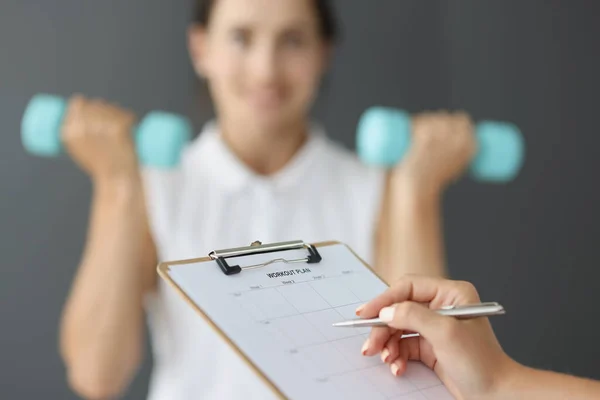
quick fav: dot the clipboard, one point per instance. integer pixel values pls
(288, 294)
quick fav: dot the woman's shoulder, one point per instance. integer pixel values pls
(343, 161)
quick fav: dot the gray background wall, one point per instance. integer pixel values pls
(530, 244)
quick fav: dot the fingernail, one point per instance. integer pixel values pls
(394, 369)
(365, 347)
(359, 309)
(387, 314)
(385, 354)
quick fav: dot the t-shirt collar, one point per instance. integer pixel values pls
(215, 160)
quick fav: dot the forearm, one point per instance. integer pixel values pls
(412, 235)
(531, 384)
(102, 326)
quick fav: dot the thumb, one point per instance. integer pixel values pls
(411, 316)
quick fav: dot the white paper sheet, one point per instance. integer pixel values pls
(280, 317)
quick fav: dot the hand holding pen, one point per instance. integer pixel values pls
(463, 352)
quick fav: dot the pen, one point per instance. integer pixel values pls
(462, 312)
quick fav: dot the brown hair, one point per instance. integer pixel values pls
(324, 10)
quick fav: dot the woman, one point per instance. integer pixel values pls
(465, 355)
(260, 171)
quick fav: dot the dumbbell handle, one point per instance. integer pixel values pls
(159, 137)
(384, 136)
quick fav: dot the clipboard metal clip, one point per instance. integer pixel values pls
(221, 256)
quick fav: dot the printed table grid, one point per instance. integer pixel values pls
(303, 312)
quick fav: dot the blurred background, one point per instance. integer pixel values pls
(530, 244)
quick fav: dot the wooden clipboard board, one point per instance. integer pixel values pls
(339, 262)
(164, 269)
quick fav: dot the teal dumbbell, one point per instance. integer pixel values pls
(159, 137)
(383, 138)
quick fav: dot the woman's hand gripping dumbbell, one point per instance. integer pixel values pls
(386, 135)
(102, 138)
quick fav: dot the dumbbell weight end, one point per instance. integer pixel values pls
(160, 137)
(41, 125)
(383, 136)
(500, 152)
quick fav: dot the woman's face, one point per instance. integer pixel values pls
(263, 59)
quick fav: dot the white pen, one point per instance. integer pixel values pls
(461, 312)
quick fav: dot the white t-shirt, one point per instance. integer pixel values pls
(213, 201)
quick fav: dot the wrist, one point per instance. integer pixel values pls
(414, 189)
(120, 189)
(508, 381)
